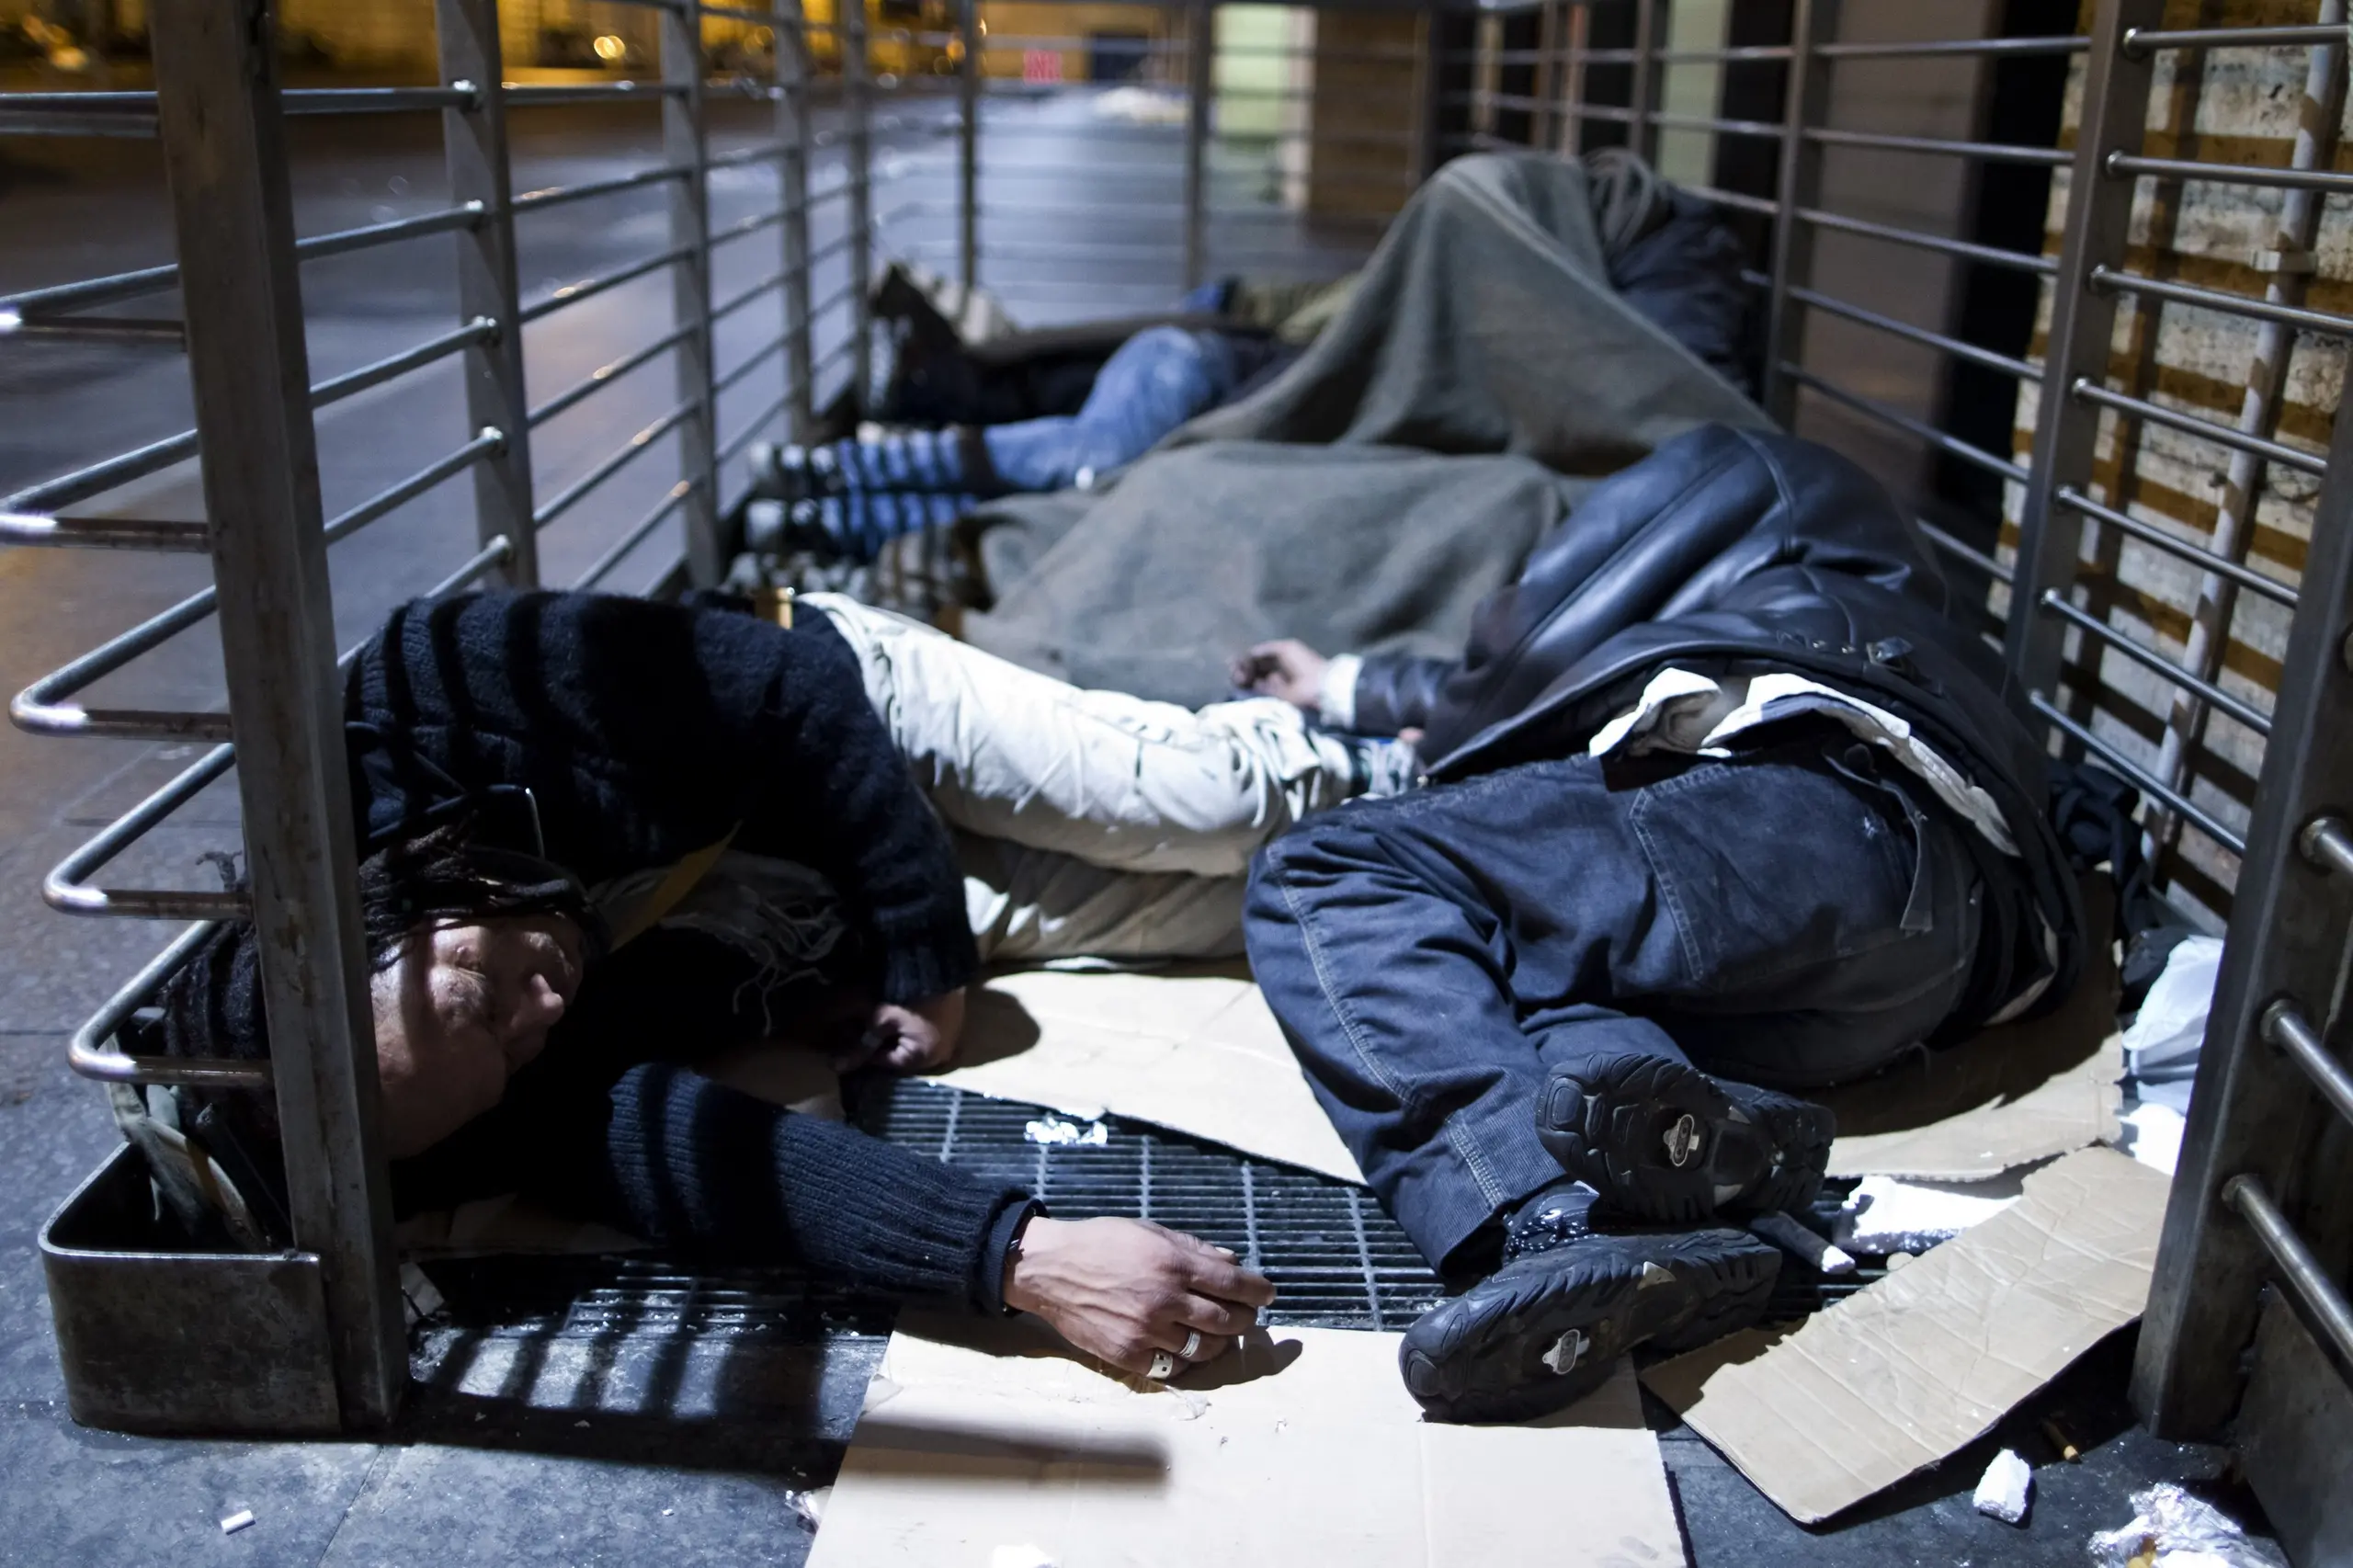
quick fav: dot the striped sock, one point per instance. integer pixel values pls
(916, 460)
(862, 521)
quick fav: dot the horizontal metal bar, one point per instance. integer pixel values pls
(102, 476)
(90, 1055)
(45, 707)
(66, 889)
(1918, 335)
(558, 195)
(2149, 659)
(1986, 152)
(93, 290)
(2143, 40)
(1601, 111)
(497, 552)
(162, 331)
(295, 101)
(2299, 1270)
(540, 97)
(38, 529)
(834, 300)
(334, 389)
(1966, 249)
(2122, 166)
(464, 216)
(751, 226)
(735, 377)
(620, 549)
(1976, 456)
(606, 374)
(1735, 198)
(2091, 391)
(1736, 55)
(486, 443)
(589, 288)
(2110, 278)
(2328, 843)
(1667, 121)
(1968, 552)
(759, 152)
(2139, 777)
(2156, 538)
(728, 307)
(2287, 1027)
(766, 417)
(612, 465)
(2056, 44)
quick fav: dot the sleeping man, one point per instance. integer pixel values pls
(603, 838)
(1720, 811)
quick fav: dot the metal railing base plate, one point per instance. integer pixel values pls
(174, 1343)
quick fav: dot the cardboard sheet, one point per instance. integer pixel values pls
(1195, 1050)
(1904, 1372)
(2013, 1094)
(1309, 1452)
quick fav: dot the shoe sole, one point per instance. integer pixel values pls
(1664, 1141)
(1546, 1331)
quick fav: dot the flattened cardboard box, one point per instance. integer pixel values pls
(1317, 1456)
(1902, 1373)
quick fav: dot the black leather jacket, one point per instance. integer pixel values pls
(1738, 549)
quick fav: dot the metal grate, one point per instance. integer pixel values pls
(1338, 1261)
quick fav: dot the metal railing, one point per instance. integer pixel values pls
(2268, 1154)
(219, 114)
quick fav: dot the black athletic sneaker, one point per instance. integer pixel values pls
(1545, 1330)
(1663, 1140)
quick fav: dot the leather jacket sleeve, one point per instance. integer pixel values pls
(1397, 691)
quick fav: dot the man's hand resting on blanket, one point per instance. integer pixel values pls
(1123, 1289)
(1289, 669)
(913, 1037)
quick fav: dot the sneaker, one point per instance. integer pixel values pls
(791, 473)
(1547, 1329)
(1661, 1140)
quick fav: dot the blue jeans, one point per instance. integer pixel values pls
(1150, 384)
(1789, 918)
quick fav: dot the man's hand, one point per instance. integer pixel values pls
(1289, 669)
(1120, 1290)
(918, 1036)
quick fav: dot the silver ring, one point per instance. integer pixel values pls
(1164, 1367)
(1192, 1346)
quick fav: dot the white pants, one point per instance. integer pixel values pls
(1089, 822)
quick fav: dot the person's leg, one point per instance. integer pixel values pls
(1118, 783)
(1034, 905)
(1153, 383)
(1437, 957)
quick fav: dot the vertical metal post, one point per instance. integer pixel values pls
(2083, 322)
(683, 145)
(968, 146)
(474, 142)
(1543, 133)
(1805, 100)
(2252, 1111)
(1430, 131)
(1200, 54)
(1650, 37)
(792, 134)
(2293, 240)
(224, 154)
(857, 89)
(1571, 122)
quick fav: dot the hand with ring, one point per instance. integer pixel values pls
(1141, 1297)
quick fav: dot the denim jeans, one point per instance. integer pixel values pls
(1150, 384)
(1786, 917)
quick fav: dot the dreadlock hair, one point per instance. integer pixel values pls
(212, 1005)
